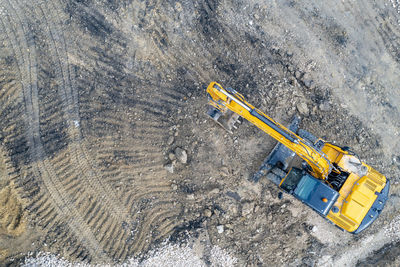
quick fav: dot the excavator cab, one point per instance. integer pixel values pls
(309, 190)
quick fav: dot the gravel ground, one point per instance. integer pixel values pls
(168, 255)
(105, 150)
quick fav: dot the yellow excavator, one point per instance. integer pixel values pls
(331, 180)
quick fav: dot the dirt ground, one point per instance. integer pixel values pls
(102, 100)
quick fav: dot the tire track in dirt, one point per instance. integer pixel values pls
(149, 162)
(81, 158)
(42, 167)
(143, 138)
(112, 155)
(93, 185)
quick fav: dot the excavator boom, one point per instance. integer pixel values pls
(230, 99)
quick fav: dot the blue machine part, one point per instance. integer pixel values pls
(315, 194)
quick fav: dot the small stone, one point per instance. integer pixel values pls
(170, 140)
(220, 229)
(314, 110)
(232, 210)
(308, 82)
(169, 167)
(207, 213)
(297, 74)
(215, 191)
(181, 155)
(247, 209)
(325, 106)
(302, 108)
(190, 196)
(224, 171)
(360, 139)
(174, 187)
(171, 156)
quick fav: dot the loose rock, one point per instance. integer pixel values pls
(215, 191)
(171, 156)
(308, 83)
(220, 229)
(170, 140)
(325, 106)
(181, 155)
(302, 108)
(169, 167)
(224, 171)
(247, 209)
(207, 213)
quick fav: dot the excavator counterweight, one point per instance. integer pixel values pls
(332, 180)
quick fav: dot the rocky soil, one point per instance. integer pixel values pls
(106, 150)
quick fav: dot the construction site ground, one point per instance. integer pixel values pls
(106, 152)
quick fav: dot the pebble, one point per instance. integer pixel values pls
(174, 187)
(224, 171)
(232, 211)
(181, 155)
(247, 209)
(229, 226)
(302, 108)
(169, 167)
(215, 191)
(220, 229)
(170, 140)
(171, 156)
(325, 106)
(308, 83)
(207, 213)
(307, 80)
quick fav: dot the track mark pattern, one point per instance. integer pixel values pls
(88, 154)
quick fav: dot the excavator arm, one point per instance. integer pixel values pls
(228, 99)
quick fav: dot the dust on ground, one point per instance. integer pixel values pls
(109, 152)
